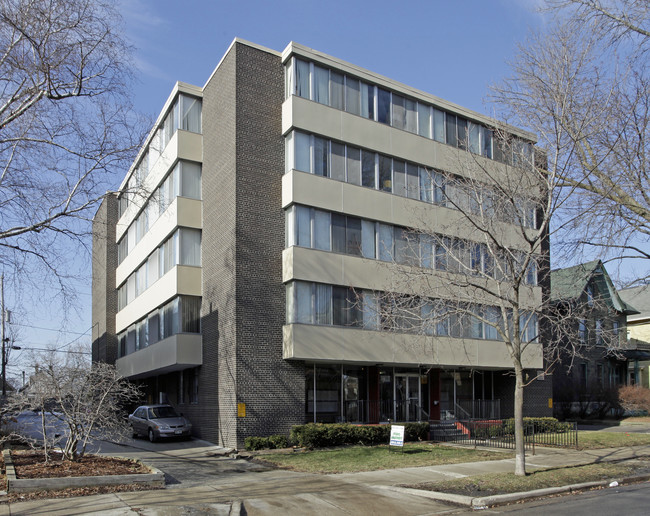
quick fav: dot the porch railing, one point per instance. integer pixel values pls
(500, 433)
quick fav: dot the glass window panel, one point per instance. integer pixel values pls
(370, 311)
(441, 247)
(461, 127)
(336, 90)
(338, 161)
(353, 236)
(474, 145)
(426, 251)
(368, 169)
(439, 125)
(190, 314)
(190, 246)
(383, 106)
(399, 112)
(385, 242)
(368, 239)
(303, 302)
(354, 165)
(301, 147)
(412, 180)
(452, 137)
(190, 114)
(339, 306)
(368, 101)
(385, 180)
(424, 120)
(491, 315)
(304, 226)
(486, 142)
(321, 156)
(302, 78)
(321, 85)
(411, 116)
(338, 233)
(191, 180)
(399, 178)
(426, 184)
(406, 247)
(290, 294)
(322, 230)
(352, 96)
(323, 304)
(153, 267)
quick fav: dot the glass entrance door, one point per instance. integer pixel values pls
(407, 397)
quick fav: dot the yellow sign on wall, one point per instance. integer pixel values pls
(550, 403)
(241, 409)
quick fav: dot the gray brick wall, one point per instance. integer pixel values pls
(104, 294)
(243, 237)
(272, 388)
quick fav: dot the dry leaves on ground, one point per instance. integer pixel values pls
(31, 464)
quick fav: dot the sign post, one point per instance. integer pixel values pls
(396, 436)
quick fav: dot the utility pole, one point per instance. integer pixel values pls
(4, 352)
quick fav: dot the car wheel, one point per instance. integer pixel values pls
(152, 437)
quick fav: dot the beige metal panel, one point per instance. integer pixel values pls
(181, 212)
(190, 145)
(190, 212)
(171, 354)
(304, 264)
(328, 194)
(331, 344)
(180, 280)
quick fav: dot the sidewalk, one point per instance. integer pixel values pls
(275, 491)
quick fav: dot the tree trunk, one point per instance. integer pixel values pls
(520, 451)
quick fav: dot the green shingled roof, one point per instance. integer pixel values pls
(570, 283)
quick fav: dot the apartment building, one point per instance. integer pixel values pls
(238, 274)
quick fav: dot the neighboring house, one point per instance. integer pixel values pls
(638, 331)
(594, 352)
(234, 274)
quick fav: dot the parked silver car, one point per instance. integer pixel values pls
(159, 421)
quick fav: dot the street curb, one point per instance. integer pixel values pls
(489, 501)
(24, 485)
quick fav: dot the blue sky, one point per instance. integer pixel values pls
(453, 49)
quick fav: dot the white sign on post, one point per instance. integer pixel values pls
(396, 435)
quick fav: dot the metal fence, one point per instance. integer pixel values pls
(501, 433)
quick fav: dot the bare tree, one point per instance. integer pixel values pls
(481, 269)
(85, 402)
(582, 85)
(66, 127)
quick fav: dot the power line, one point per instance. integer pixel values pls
(51, 329)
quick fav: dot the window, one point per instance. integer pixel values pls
(190, 246)
(368, 169)
(452, 137)
(302, 78)
(336, 90)
(352, 96)
(590, 295)
(190, 114)
(321, 157)
(354, 165)
(383, 106)
(424, 120)
(582, 331)
(599, 332)
(321, 85)
(337, 170)
(385, 173)
(322, 230)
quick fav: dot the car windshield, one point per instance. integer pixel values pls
(161, 412)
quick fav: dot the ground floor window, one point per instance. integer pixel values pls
(377, 394)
